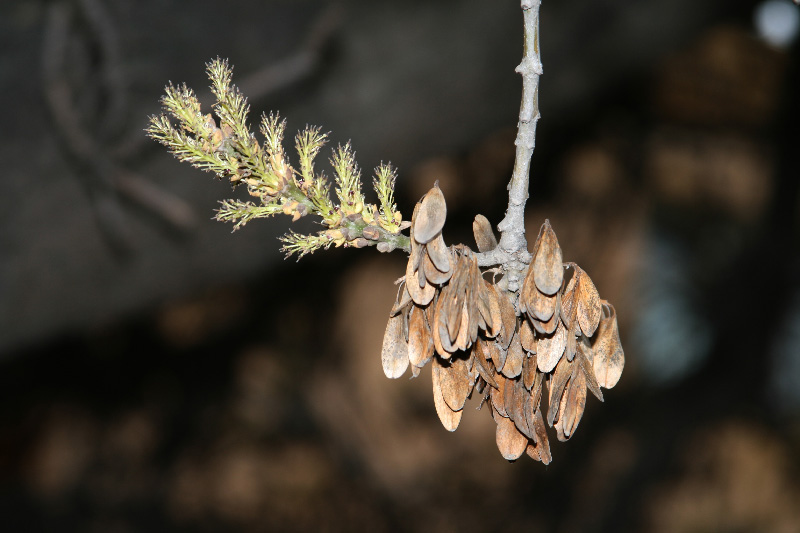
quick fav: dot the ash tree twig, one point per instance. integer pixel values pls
(540, 320)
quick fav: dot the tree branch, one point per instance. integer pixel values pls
(512, 251)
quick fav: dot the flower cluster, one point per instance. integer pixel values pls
(230, 150)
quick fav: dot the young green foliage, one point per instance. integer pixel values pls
(230, 150)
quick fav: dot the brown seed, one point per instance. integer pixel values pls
(529, 371)
(546, 328)
(439, 254)
(608, 358)
(572, 345)
(510, 441)
(589, 309)
(550, 349)
(496, 324)
(573, 405)
(402, 301)
(508, 397)
(432, 274)
(509, 317)
(453, 295)
(498, 396)
(542, 307)
(536, 390)
(526, 337)
(558, 382)
(516, 409)
(588, 371)
(449, 418)
(430, 218)
(454, 382)
(484, 236)
(394, 355)
(492, 351)
(441, 340)
(513, 364)
(572, 273)
(420, 341)
(417, 252)
(462, 341)
(482, 365)
(530, 409)
(421, 296)
(499, 356)
(542, 447)
(485, 318)
(548, 271)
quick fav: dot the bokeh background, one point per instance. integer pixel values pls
(160, 373)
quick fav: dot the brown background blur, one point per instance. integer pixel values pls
(158, 373)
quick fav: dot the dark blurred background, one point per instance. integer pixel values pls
(160, 373)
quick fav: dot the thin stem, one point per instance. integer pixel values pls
(512, 251)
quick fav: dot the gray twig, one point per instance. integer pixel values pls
(512, 252)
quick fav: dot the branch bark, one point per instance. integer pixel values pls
(512, 251)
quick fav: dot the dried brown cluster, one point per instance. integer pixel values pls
(479, 338)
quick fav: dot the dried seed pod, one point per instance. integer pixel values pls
(492, 351)
(542, 307)
(573, 403)
(498, 396)
(454, 382)
(509, 317)
(513, 364)
(516, 409)
(541, 450)
(420, 341)
(508, 397)
(496, 323)
(429, 220)
(462, 341)
(569, 309)
(546, 264)
(441, 338)
(483, 366)
(550, 349)
(526, 337)
(417, 253)
(557, 384)
(588, 371)
(433, 274)
(439, 254)
(394, 355)
(529, 412)
(510, 441)
(589, 309)
(546, 328)
(404, 299)
(572, 345)
(529, 371)
(484, 236)
(449, 418)
(499, 356)
(536, 389)
(421, 295)
(608, 359)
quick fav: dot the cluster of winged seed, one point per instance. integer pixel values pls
(478, 337)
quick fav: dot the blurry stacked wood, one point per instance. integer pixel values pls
(504, 346)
